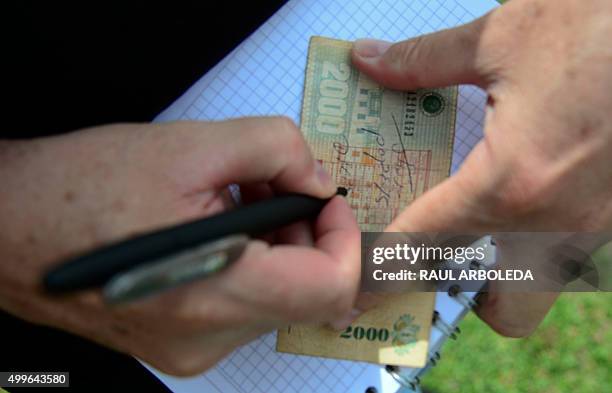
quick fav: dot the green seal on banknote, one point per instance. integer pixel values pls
(432, 103)
(404, 334)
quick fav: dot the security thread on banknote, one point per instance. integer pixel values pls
(386, 148)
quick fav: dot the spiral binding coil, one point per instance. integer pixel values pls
(444, 327)
(409, 383)
(467, 302)
(410, 378)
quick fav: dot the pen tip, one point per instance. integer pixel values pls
(342, 191)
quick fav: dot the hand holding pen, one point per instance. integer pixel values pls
(134, 179)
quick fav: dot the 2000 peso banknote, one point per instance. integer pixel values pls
(386, 147)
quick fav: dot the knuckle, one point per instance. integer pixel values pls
(182, 368)
(468, 36)
(509, 322)
(494, 44)
(411, 50)
(512, 330)
(289, 135)
(285, 125)
(176, 369)
(405, 55)
(181, 364)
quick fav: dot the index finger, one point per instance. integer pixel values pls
(267, 150)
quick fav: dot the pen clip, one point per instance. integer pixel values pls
(196, 263)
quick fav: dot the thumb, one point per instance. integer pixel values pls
(443, 58)
(455, 205)
(444, 208)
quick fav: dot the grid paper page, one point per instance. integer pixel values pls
(265, 76)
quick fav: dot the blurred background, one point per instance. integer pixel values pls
(570, 352)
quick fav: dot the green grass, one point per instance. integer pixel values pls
(570, 352)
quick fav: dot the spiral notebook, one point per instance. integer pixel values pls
(264, 76)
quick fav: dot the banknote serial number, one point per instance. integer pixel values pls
(34, 379)
(362, 333)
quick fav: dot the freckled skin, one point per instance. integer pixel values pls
(117, 181)
(69, 196)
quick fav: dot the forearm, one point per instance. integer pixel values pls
(27, 237)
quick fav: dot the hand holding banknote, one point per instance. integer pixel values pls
(545, 161)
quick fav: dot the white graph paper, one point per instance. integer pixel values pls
(265, 76)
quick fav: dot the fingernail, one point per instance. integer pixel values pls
(368, 48)
(324, 177)
(344, 322)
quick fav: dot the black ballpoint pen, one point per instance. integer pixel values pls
(96, 268)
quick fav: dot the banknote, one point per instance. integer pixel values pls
(386, 147)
